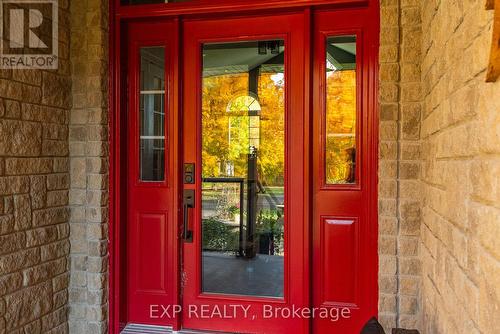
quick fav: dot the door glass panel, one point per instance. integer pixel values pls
(243, 168)
(340, 152)
(152, 114)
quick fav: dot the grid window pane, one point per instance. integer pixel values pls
(152, 114)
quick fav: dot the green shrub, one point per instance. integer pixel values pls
(218, 236)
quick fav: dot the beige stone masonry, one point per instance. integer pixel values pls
(34, 185)
(461, 171)
(399, 164)
(89, 163)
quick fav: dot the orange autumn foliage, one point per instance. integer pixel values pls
(225, 135)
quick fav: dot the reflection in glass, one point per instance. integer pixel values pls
(243, 159)
(340, 152)
(152, 114)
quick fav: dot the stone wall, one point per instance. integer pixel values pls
(89, 164)
(461, 171)
(399, 164)
(34, 183)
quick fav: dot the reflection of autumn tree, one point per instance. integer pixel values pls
(272, 130)
(217, 93)
(225, 133)
(340, 126)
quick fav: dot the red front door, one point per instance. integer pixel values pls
(244, 117)
(276, 232)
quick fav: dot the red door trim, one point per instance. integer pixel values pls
(200, 7)
(120, 15)
(114, 171)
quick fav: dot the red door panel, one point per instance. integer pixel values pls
(151, 240)
(339, 249)
(151, 232)
(344, 164)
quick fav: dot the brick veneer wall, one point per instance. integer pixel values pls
(399, 164)
(461, 171)
(34, 183)
(89, 164)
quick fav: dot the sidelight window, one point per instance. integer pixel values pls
(152, 114)
(341, 116)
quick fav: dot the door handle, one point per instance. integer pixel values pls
(188, 203)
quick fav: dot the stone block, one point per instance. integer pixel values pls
(9, 284)
(387, 245)
(54, 319)
(43, 272)
(389, 16)
(58, 181)
(55, 90)
(28, 304)
(389, 93)
(40, 236)
(11, 242)
(410, 266)
(20, 138)
(55, 250)
(409, 285)
(38, 191)
(22, 212)
(6, 223)
(389, 35)
(387, 303)
(60, 299)
(57, 198)
(388, 53)
(28, 166)
(387, 284)
(12, 109)
(50, 216)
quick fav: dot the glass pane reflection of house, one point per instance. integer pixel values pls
(243, 147)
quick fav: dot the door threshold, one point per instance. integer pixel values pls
(154, 329)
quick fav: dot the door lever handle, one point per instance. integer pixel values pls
(188, 203)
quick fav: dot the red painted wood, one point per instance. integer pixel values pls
(119, 300)
(114, 170)
(344, 216)
(200, 7)
(339, 249)
(290, 28)
(151, 223)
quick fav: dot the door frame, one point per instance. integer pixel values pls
(119, 16)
